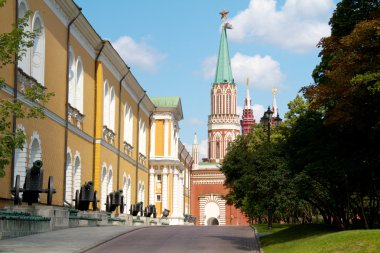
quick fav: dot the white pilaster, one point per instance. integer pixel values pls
(176, 193)
(166, 137)
(172, 143)
(151, 186)
(181, 192)
(165, 188)
(153, 139)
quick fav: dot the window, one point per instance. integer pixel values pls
(109, 106)
(69, 178)
(128, 124)
(158, 177)
(79, 86)
(20, 160)
(142, 137)
(106, 105)
(77, 174)
(38, 50)
(103, 192)
(24, 62)
(112, 109)
(71, 77)
(217, 149)
(158, 197)
(228, 103)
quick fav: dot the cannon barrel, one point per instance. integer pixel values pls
(37, 165)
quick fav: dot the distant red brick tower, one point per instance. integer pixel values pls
(207, 181)
(248, 120)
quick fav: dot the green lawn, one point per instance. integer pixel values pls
(318, 239)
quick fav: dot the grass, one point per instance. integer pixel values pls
(318, 239)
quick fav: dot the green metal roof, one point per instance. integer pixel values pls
(172, 104)
(165, 101)
(223, 68)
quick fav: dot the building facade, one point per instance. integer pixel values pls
(207, 181)
(97, 126)
(170, 162)
(247, 122)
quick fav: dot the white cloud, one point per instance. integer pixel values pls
(263, 72)
(258, 112)
(239, 110)
(297, 26)
(138, 54)
(202, 149)
(209, 67)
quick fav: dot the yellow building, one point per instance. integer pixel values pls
(97, 126)
(170, 162)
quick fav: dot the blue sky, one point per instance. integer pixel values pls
(172, 46)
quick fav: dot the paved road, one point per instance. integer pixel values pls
(183, 239)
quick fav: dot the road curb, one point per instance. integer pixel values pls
(261, 250)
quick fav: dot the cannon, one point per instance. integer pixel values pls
(33, 186)
(150, 210)
(136, 209)
(115, 199)
(165, 213)
(85, 196)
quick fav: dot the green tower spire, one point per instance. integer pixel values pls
(223, 68)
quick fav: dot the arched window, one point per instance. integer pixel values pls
(112, 109)
(106, 104)
(219, 104)
(35, 149)
(77, 174)
(142, 137)
(228, 102)
(20, 160)
(24, 62)
(217, 149)
(103, 190)
(79, 86)
(71, 77)
(110, 181)
(38, 51)
(128, 124)
(69, 178)
(127, 191)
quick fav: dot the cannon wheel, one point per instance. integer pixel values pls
(17, 199)
(95, 202)
(77, 199)
(108, 205)
(122, 205)
(50, 191)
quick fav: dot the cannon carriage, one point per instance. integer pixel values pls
(115, 199)
(137, 208)
(150, 210)
(33, 186)
(85, 196)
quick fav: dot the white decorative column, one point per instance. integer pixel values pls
(176, 193)
(153, 138)
(166, 138)
(181, 191)
(164, 188)
(172, 143)
(151, 186)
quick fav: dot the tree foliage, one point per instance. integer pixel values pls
(328, 156)
(13, 46)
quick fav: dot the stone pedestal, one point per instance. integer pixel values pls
(59, 216)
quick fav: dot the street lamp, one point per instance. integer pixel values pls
(266, 120)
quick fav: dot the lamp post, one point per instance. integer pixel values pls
(266, 120)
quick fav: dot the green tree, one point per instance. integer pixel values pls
(13, 46)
